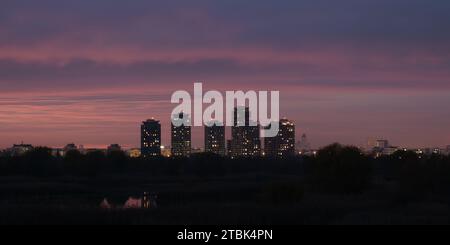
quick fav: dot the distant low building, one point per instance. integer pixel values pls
(19, 149)
(166, 151)
(383, 148)
(390, 150)
(134, 153)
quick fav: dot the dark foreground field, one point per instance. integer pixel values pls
(338, 186)
(246, 199)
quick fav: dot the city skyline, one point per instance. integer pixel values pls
(89, 72)
(245, 141)
(155, 133)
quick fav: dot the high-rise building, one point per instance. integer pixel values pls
(245, 139)
(181, 136)
(283, 144)
(151, 138)
(215, 138)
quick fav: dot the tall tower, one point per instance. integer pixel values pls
(215, 138)
(303, 145)
(181, 136)
(245, 139)
(151, 138)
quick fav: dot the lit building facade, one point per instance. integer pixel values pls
(283, 144)
(215, 138)
(150, 138)
(181, 136)
(246, 140)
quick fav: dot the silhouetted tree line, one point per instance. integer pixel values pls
(40, 162)
(335, 168)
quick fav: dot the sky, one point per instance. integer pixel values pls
(89, 72)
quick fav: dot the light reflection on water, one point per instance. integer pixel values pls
(146, 201)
